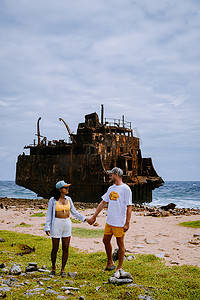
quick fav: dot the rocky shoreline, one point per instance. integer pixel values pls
(140, 209)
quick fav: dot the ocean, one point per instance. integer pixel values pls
(185, 194)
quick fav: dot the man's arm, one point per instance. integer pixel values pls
(98, 210)
(128, 217)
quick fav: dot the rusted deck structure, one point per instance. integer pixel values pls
(98, 145)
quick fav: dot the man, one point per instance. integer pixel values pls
(119, 199)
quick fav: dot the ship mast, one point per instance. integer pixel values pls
(102, 112)
(68, 129)
(38, 130)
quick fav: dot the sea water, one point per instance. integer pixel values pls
(185, 194)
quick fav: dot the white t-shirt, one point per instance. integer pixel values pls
(118, 197)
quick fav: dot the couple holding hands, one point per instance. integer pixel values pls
(58, 224)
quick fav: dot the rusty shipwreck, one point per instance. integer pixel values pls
(98, 145)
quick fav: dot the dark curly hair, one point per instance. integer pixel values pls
(55, 193)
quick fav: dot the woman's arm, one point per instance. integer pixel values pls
(75, 213)
(49, 216)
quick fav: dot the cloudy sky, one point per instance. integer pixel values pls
(140, 58)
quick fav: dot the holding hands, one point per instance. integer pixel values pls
(91, 221)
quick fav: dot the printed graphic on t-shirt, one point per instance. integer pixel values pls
(113, 196)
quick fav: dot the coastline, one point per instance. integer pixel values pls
(151, 231)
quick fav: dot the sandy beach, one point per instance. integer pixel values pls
(162, 236)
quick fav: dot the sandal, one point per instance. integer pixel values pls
(110, 268)
(63, 274)
(53, 273)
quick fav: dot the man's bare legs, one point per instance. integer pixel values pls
(120, 243)
(108, 248)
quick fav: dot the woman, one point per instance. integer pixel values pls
(58, 224)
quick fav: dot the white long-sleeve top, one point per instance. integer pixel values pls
(50, 217)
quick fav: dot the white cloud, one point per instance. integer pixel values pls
(63, 59)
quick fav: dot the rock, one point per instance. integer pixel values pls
(72, 274)
(5, 270)
(81, 298)
(49, 291)
(163, 234)
(131, 257)
(194, 241)
(135, 285)
(44, 267)
(166, 255)
(115, 255)
(151, 241)
(40, 282)
(61, 297)
(15, 270)
(97, 288)
(138, 246)
(168, 206)
(37, 290)
(124, 274)
(10, 281)
(43, 270)
(121, 277)
(174, 263)
(32, 267)
(160, 255)
(119, 281)
(165, 213)
(2, 266)
(2, 240)
(5, 289)
(196, 235)
(145, 297)
(68, 292)
(69, 288)
(34, 264)
(70, 282)
(41, 207)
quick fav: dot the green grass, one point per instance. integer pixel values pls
(87, 233)
(75, 221)
(192, 224)
(149, 272)
(23, 225)
(39, 215)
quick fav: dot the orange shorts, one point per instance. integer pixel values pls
(113, 230)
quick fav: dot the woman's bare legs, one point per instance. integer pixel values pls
(55, 246)
(65, 251)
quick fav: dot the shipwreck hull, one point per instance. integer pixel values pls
(40, 173)
(83, 162)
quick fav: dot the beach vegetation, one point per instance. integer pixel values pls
(87, 233)
(192, 224)
(150, 275)
(40, 214)
(75, 221)
(23, 225)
